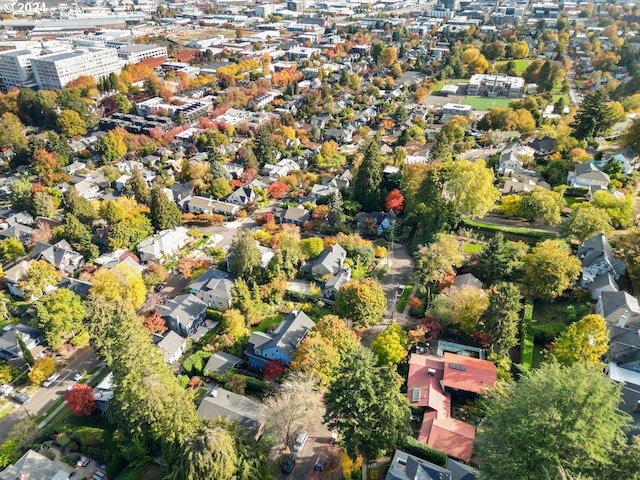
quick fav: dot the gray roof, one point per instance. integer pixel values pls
(286, 336)
(408, 467)
(467, 279)
(221, 362)
(56, 254)
(295, 214)
(34, 466)
(620, 307)
(216, 281)
(598, 248)
(184, 308)
(247, 413)
(170, 344)
(624, 345)
(602, 281)
(332, 257)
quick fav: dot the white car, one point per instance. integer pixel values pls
(78, 376)
(6, 389)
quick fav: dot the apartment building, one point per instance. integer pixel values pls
(15, 67)
(496, 86)
(56, 70)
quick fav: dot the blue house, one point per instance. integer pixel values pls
(263, 348)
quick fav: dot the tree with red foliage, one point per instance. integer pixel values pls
(186, 266)
(80, 400)
(194, 382)
(394, 201)
(274, 370)
(155, 324)
(249, 174)
(265, 218)
(278, 189)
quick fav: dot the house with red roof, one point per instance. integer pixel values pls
(431, 381)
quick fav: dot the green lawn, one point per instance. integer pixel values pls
(486, 103)
(268, 323)
(471, 248)
(522, 231)
(402, 302)
(570, 200)
(520, 65)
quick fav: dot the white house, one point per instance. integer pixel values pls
(587, 175)
(242, 196)
(164, 244)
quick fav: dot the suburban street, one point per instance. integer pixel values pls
(43, 398)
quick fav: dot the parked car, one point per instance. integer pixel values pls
(319, 465)
(78, 376)
(301, 440)
(20, 397)
(5, 389)
(290, 464)
(83, 462)
(49, 381)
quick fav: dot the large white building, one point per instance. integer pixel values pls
(137, 53)
(15, 67)
(56, 70)
(496, 86)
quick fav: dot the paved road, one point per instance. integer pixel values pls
(42, 399)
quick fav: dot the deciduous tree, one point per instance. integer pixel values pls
(244, 255)
(120, 282)
(60, 315)
(394, 201)
(71, 123)
(390, 346)
(80, 400)
(39, 278)
(277, 189)
(234, 324)
(361, 301)
(155, 324)
(586, 340)
(10, 249)
(438, 259)
(471, 186)
(461, 306)
(574, 423)
(585, 221)
(42, 369)
(48, 167)
(111, 147)
(549, 269)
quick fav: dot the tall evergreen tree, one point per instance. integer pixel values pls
(216, 160)
(366, 187)
(26, 353)
(365, 404)
(164, 213)
(595, 116)
(493, 262)
(501, 318)
(334, 217)
(244, 255)
(137, 187)
(264, 147)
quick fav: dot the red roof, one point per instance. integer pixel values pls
(429, 387)
(468, 374)
(186, 55)
(453, 437)
(152, 62)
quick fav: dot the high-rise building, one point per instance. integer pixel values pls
(56, 70)
(15, 67)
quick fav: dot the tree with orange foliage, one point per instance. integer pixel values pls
(48, 167)
(394, 201)
(278, 189)
(155, 324)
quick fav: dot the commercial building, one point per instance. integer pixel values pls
(56, 70)
(137, 53)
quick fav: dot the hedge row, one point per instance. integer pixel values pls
(423, 451)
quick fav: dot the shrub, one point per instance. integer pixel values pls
(424, 451)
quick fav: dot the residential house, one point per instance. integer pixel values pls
(330, 261)
(121, 182)
(521, 185)
(623, 362)
(597, 258)
(340, 135)
(587, 175)
(87, 188)
(197, 204)
(243, 196)
(20, 232)
(281, 169)
(467, 280)
(323, 191)
(79, 287)
(380, 221)
(603, 283)
(214, 289)
(627, 159)
(181, 193)
(33, 465)
(431, 382)
(619, 308)
(75, 167)
(248, 414)
(14, 275)
(335, 283)
(184, 314)
(220, 363)
(103, 392)
(513, 157)
(295, 215)
(172, 345)
(162, 245)
(543, 147)
(409, 467)
(9, 346)
(60, 255)
(263, 348)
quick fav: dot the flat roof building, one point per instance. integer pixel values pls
(55, 71)
(137, 53)
(496, 86)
